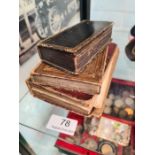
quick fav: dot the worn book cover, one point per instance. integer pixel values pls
(113, 53)
(78, 102)
(72, 49)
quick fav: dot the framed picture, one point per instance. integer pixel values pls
(39, 19)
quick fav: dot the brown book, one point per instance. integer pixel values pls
(77, 102)
(89, 81)
(62, 99)
(114, 51)
(72, 49)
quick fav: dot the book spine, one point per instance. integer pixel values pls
(61, 83)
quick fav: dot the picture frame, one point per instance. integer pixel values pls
(39, 19)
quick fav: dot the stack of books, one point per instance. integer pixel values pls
(76, 68)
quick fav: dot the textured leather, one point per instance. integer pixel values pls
(72, 49)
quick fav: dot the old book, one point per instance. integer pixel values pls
(112, 58)
(72, 49)
(77, 102)
(61, 98)
(88, 81)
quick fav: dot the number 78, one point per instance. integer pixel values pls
(65, 122)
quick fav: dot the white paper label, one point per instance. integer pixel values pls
(62, 124)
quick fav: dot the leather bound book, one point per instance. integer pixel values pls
(88, 81)
(113, 54)
(78, 102)
(72, 49)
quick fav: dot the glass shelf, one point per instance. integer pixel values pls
(39, 142)
(35, 114)
(33, 117)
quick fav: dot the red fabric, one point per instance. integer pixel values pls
(123, 82)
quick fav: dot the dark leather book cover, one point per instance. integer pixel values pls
(78, 102)
(88, 81)
(72, 49)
